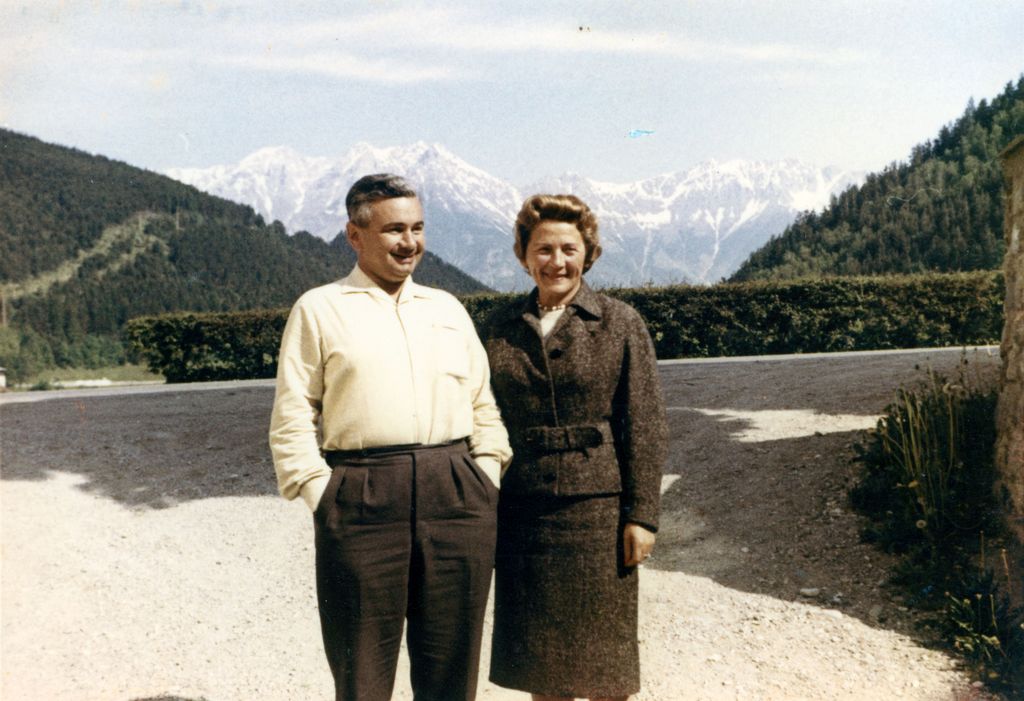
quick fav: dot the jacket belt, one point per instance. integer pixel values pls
(559, 438)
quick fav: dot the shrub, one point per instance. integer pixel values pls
(23, 353)
(928, 464)
(977, 621)
(927, 486)
(216, 346)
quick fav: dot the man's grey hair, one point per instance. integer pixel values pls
(373, 188)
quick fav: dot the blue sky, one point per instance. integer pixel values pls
(520, 89)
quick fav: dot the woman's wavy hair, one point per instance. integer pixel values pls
(564, 208)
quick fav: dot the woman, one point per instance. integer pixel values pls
(575, 377)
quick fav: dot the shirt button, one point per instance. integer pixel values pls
(555, 353)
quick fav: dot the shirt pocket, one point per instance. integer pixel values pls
(450, 351)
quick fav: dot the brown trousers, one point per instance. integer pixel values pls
(405, 534)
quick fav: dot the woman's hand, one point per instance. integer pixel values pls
(637, 544)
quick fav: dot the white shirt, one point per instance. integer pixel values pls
(548, 319)
(377, 372)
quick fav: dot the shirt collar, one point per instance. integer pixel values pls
(358, 281)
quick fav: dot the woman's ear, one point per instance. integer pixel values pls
(592, 255)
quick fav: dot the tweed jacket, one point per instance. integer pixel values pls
(583, 408)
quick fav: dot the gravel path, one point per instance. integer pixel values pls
(146, 555)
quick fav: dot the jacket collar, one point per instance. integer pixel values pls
(586, 301)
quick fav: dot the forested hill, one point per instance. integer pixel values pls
(87, 243)
(940, 211)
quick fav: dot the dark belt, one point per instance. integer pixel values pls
(556, 438)
(333, 457)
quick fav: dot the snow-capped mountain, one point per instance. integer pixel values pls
(468, 212)
(699, 225)
(696, 225)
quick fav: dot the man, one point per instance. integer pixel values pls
(403, 481)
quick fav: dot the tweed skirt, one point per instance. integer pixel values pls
(565, 608)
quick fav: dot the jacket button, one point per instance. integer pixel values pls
(549, 477)
(555, 353)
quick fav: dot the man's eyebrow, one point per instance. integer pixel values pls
(401, 224)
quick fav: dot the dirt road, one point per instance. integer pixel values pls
(146, 554)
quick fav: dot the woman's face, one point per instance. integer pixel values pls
(554, 259)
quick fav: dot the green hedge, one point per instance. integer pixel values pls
(823, 315)
(756, 318)
(212, 346)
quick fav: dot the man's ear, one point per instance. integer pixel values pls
(352, 234)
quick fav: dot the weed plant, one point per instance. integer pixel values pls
(927, 487)
(977, 621)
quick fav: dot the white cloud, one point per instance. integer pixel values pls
(329, 62)
(411, 45)
(442, 44)
(337, 64)
(147, 56)
(23, 40)
(449, 30)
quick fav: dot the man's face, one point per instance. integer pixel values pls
(391, 244)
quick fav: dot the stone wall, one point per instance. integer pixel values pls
(1010, 415)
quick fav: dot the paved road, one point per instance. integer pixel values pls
(918, 354)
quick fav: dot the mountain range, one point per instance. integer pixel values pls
(87, 243)
(939, 211)
(691, 226)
